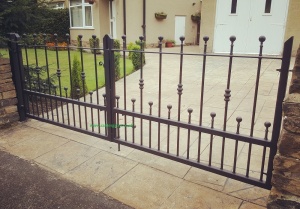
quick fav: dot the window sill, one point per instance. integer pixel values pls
(82, 28)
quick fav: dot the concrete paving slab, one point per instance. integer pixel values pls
(101, 171)
(67, 156)
(144, 187)
(189, 195)
(37, 146)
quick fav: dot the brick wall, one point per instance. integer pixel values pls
(8, 100)
(285, 192)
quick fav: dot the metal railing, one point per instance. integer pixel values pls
(54, 105)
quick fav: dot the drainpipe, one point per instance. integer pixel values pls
(144, 19)
(124, 19)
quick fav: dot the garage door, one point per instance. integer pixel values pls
(247, 20)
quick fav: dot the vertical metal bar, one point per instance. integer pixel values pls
(27, 75)
(150, 113)
(83, 78)
(133, 125)
(55, 94)
(118, 123)
(261, 40)
(179, 90)
(110, 84)
(36, 99)
(285, 65)
(205, 38)
(96, 75)
(212, 115)
(35, 52)
(168, 131)
(68, 114)
(92, 115)
(69, 61)
(105, 113)
(58, 73)
(124, 74)
(160, 38)
(16, 62)
(46, 101)
(239, 120)
(267, 125)
(48, 73)
(38, 71)
(190, 110)
(227, 96)
(79, 112)
(141, 84)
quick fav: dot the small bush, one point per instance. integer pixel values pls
(130, 47)
(35, 83)
(95, 44)
(77, 82)
(136, 57)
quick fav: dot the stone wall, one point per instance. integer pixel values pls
(285, 192)
(8, 100)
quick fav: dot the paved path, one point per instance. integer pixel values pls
(143, 180)
(25, 185)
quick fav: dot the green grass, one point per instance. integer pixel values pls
(88, 65)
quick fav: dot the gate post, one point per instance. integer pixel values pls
(16, 62)
(284, 71)
(109, 69)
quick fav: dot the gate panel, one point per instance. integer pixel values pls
(52, 91)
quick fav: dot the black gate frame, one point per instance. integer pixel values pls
(112, 110)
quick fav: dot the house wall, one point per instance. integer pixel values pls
(208, 14)
(154, 27)
(292, 25)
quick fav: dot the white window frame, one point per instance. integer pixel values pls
(57, 5)
(83, 4)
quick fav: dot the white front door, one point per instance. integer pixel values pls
(179, 28)
(247, 20)
(113, 18)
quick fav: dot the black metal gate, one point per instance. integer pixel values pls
(119, 118)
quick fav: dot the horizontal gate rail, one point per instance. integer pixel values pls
(193, 127)
(63, 99)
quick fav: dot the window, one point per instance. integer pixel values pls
(233, 6)
(81, 15)
(56, 5)
(268, 6)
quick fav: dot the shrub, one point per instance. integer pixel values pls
(32, 77)
(95, 44)
(130, 47)
(77, 82)
(136, 57)
(117, 57)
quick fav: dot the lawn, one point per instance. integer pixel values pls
(88, 65)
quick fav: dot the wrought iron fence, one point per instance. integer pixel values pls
(116, 115)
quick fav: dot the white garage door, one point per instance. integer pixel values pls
(247, 20)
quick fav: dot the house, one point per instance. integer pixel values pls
(277, 20)
(134, 18)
